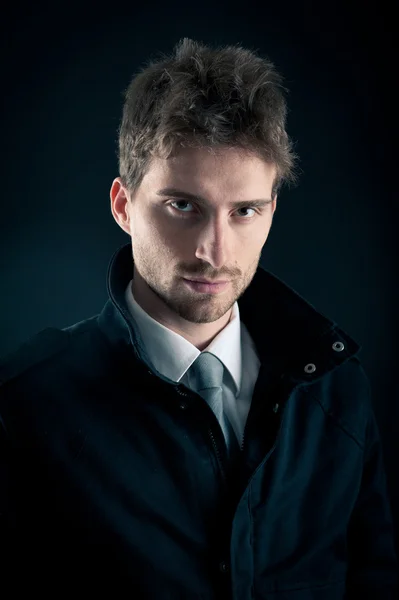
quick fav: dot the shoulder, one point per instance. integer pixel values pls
(36, 349)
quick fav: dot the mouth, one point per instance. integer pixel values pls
(206, 287)
(209, 281)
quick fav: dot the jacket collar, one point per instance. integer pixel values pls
(290, 335)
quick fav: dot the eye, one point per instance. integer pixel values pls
(189, 212)
(179, 202)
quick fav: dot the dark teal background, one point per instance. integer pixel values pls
(64, 67)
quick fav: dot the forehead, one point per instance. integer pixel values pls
(230, 169)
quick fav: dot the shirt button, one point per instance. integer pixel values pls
(224, 567)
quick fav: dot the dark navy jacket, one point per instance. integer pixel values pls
(115, 482)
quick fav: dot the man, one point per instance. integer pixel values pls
(182, 444)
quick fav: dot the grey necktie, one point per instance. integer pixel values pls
(208, 373)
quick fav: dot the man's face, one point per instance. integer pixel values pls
(175, 238)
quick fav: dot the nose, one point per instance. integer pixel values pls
(213, 243)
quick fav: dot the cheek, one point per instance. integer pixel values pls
(162, 230)
(253, 238)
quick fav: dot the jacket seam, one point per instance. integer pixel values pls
(336, 420)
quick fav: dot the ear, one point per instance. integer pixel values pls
(274, 204)
(120, 205)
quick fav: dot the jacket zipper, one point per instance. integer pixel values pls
(214, 444)
(218, 456)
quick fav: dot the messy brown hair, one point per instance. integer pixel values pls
(203, 97)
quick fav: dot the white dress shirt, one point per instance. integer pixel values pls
(173, 356)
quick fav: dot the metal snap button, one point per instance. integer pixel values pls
(224, 567)
(310, 368)
(338, 346)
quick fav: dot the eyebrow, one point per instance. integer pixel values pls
(171, 191)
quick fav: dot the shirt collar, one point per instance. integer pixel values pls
(173, 355)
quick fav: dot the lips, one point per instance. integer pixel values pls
(207, 280)
(206, 288)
